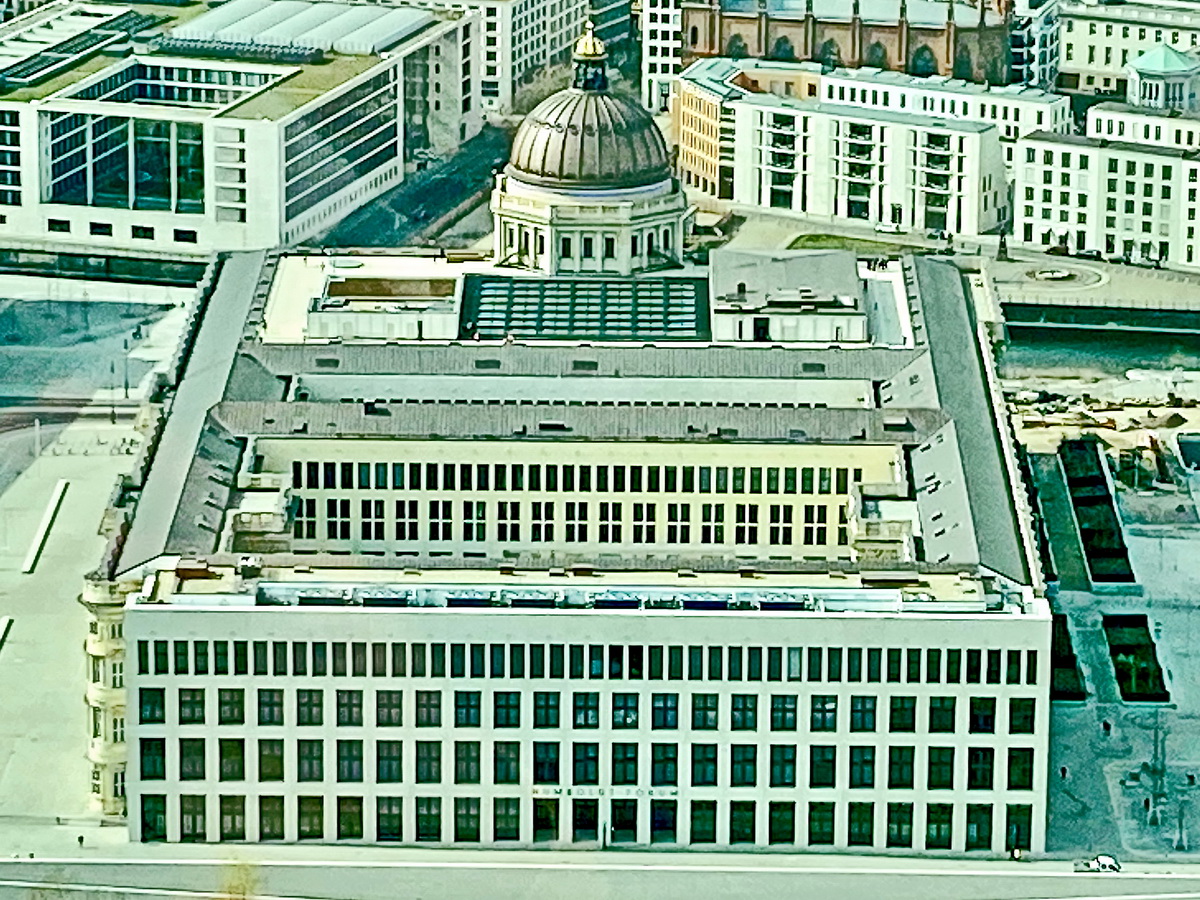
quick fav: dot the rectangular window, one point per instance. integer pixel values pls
(941, 715)
(467, 709)
(822, 766)
(783, 765)
(586, 709)
(664, 711)
(1020, 715)
(310, 760)
(507, 709)
(466, 762)
(705, 712)
(941, 768)
(545, 762)
(862, 767)
(783, 712)
(899, 824)
(429, 762)
(704, 765)
(781, 824)
(820, 823)
(625, 764)
(704, 822)
(903, 717)
(900, 767)
(388, 762)
(545, 709)
(744, 710)
(823, 712)
(506, 762)
(743, 765)
(350, 761)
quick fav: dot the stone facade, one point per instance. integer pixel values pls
(978, 51)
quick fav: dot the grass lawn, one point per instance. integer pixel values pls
(840, 242)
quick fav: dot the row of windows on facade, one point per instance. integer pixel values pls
(552, 477)
(591, 661)
(137, 232)
(623, 769)
(613, 524)
(857, 821)
(623, 710)
(1081, 160)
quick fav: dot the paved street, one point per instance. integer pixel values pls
(399, 217)
(451, 875)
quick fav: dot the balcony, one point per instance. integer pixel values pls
(782, 161)
(936, 183)
(859, 172)
(102, 751)
(100, 694)
(856, 152)
(936, 163)
(937, 143)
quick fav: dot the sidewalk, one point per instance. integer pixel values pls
(43, 728)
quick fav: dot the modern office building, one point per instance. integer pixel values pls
(844, 147)
(1098, 40)
(176, 130)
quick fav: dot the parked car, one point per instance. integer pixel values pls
(936, 235)
(889, 228)
(1058, 250)
(1102, 863)
(1090, 254)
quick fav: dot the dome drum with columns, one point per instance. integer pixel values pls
(588, 188)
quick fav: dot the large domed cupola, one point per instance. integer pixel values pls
(588, 186)
(587, 137)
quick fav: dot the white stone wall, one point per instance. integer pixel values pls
(879, 657)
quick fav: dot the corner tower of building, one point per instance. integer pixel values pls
(588, 188)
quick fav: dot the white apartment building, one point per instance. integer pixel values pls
(238, 128)
(660, 25)
(1098, 40)
(1121, 197)
(1128, 188)
(1035, 37)
(454, 709)
(826, 143)
(1015, 110)
(826, 161)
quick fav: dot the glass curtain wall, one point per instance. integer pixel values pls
(126, 163)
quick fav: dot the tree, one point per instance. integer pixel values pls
(736, 47)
